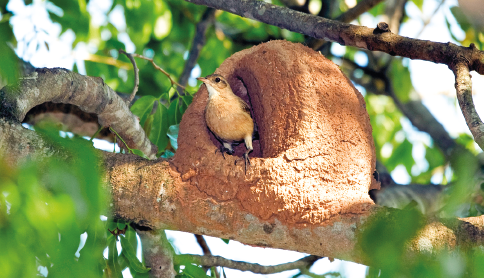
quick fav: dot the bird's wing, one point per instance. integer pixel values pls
(244, 105)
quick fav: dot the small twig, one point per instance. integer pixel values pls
(197, 45)
(120, 138)
(173, 82)
(463, 86)
(96, 133)
(206, 250)
(136, 76)
(427, 21)
(244, 266)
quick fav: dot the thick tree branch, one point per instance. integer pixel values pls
(90, 94)
(209, 260)
(463, 85)
(158, 253)
(348, 34)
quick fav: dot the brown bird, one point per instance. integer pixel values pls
(227, 116)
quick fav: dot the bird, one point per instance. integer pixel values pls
(228, 116)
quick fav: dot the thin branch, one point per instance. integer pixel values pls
(347, 17)
(173, 82)
(205, 249)
(136, 76)
(427, 21)
(463, 86)
(244, 266)
(203, 244)
(197, 45)
(348, 34)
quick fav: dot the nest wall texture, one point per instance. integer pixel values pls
(315, 155)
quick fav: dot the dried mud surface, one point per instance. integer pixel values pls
(315, 156)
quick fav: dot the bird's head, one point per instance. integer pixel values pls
(216, 85)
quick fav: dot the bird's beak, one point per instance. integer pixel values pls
(203, 79)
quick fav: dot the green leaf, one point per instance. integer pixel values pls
(113, 263)
(461, 18)
(139, 153)
(194, 271)
(402, 83)
(130, 254)
(434, 157)
(402, 154)
(112, 225)
(121, 225)
(187, 100)
(174, 114)
(225, 240)
(9, 65)
(159, 128)
(143, 107)
(173, 135)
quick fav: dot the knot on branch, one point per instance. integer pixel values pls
(381, 27)
(315, 155)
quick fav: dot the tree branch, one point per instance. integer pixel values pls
(136, 76)
(208, 260)
(463, 85)
(206, 251)
(347, 17)
(90, 94)
(158, 253)
(348, 34)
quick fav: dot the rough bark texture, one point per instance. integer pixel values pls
(315, 157)
(158, 254)
(90, 94)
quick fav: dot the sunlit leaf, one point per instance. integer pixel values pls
(159, 128)
(402, 83)
(461, 18)
(130, 253)
(143, 107)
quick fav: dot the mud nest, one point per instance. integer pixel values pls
(315, 155)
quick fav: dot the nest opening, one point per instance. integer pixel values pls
(240, 89)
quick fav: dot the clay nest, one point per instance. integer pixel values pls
(315, 156)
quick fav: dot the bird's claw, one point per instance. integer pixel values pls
(224, 150)
(246, 161)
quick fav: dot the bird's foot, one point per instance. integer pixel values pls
(246, 161)
(224, 150)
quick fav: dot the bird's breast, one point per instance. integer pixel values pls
(227, 120)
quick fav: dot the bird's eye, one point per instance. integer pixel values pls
(217, 79)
